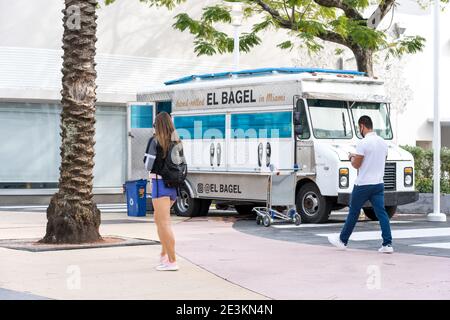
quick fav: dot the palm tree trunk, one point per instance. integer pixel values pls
(72, 215)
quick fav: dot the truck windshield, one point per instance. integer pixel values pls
(378, 113)
(330, 119)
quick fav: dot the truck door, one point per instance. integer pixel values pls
(303, 144)
(140, 117)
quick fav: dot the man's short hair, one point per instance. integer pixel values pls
(366, 122)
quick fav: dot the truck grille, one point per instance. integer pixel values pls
(390, 176)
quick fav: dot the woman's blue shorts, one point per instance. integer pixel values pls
(159, 190)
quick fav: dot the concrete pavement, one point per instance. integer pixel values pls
(104, 273)
(218, 260)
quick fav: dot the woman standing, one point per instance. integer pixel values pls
(163, 197)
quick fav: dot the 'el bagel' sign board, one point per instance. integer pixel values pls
(234, 97)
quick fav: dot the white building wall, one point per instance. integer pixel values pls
(409, 81)
(137, 47)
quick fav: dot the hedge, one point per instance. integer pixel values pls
(423, 166)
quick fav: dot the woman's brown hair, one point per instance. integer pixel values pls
(165, 131)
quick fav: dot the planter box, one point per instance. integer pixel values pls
(425, 204)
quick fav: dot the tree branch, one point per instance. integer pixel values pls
(275, 14)
(384, 7)
(349, 11)
(334, 37)
(325, 35)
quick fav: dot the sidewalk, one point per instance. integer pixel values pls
(217, 262)
(105, 273)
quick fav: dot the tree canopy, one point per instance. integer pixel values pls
(307, 21)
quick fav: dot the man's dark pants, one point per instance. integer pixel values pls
(375, 194)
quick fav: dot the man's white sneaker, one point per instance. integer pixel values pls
(335, 240)
(386, 249)
(167, 267)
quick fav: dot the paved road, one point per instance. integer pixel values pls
(412, 234)
(6, 294)
(286, 262)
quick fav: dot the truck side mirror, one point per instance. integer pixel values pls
(298, 129)
(297, 118)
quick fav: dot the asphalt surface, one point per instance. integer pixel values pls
(6, 294)
(412, 234)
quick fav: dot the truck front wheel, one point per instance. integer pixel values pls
(370, 213)
(312, 206)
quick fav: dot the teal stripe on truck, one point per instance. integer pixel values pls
(261, 125)
(201, 126)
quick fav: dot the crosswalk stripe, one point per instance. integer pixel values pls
(396, 234)
(439, 245)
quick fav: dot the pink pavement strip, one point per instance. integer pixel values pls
(287, 270)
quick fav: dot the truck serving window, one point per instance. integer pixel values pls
(378, 113)
(330, 119)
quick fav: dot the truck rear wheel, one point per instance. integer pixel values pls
(186, 206)
(312, 206)
(370, 213)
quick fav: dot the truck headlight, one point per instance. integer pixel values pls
(343, 177)
(408, 176)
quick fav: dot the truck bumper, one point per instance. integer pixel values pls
(391, 198)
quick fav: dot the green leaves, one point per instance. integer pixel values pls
(286, 45)
(169, 4)
(306, 20)
(216, 13)
(208, 39)
(410, 44)
(357, 4)
(364, 36)
(423, 166)
(264, 25)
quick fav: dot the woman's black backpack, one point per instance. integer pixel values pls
(174, 168)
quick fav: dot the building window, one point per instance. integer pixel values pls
(30, 142)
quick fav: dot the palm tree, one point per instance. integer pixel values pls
(72, 215)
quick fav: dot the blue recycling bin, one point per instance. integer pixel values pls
(136, 197)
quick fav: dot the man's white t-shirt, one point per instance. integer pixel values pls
(374, 149)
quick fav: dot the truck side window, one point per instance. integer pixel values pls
(304, 120)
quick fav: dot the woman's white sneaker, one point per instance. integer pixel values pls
(335, 240)
(163, 259)
(386, 249)
(167, 267)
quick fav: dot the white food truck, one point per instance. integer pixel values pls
(237, 127)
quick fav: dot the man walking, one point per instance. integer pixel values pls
(370, 157)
